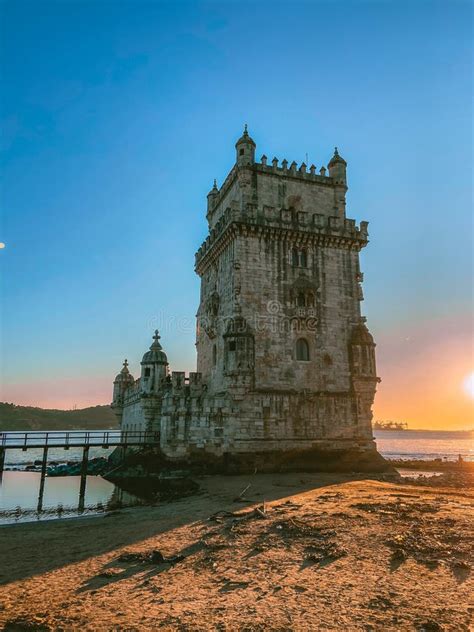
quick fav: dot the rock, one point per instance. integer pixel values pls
(156, 557)
(429, 626)
(399, 555)
(23, 624)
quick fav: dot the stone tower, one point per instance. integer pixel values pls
(286, 374)
(279, 312)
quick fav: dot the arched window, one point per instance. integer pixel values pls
(301, 299)
(310, 299)
(302, 350)
(294, 257)
(303, 259)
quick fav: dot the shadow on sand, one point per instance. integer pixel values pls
(35, 548)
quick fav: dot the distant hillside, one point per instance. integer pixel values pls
(14, 417)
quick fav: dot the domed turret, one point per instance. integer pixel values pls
(337, 168)
(245, 147)
(362, 336)
(123, 380)
(154, 366)
(362, 352)
(211, 197)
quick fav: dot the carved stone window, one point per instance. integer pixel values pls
(299, 258)
(147, 372)
(302, 350)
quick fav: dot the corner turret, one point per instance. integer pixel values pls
(245, 147)
(337, 168)
(123, 380)
(154, 367)
(211, 198)
(337, 171)
(121, 383)
(364, 375)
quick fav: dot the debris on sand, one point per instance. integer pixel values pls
(26, 624)
(149, 557)
(455, 479)
(431, 545)
(256, 512)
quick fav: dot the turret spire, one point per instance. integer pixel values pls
(245, 147)
(336, 158)
(156, 338)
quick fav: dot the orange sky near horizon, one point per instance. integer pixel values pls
(424, 375)
(423, 371)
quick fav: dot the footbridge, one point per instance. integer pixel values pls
(84, 439)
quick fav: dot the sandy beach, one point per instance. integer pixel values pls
(306, 552)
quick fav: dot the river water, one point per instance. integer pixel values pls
(425, 444)
(19, 489)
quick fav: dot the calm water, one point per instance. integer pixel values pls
(19, 489)
(424, 444)
(19, 458)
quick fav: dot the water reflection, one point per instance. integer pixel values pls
(19, 497)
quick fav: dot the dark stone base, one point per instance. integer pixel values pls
(310, 460)
(361, 459)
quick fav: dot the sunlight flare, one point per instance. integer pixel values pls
(468, 384)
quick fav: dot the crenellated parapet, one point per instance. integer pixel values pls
(301, 173)
(286, 224)
(179, 381)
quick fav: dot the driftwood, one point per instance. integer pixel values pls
(240, 498)
(256, 512)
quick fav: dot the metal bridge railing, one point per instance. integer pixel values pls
(77, 438)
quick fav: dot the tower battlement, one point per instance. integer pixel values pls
(299, 226)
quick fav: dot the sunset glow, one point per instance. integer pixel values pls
(468, 385)
(424, 379)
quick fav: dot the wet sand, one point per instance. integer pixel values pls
(320, 552)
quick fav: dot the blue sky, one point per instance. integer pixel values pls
(118, 115)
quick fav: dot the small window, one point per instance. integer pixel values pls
(303, 259)
(147, 372)
(242, 151)
(214, 355)
(232, 345)
(301, 300)
(302, 350)
(294, 257)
